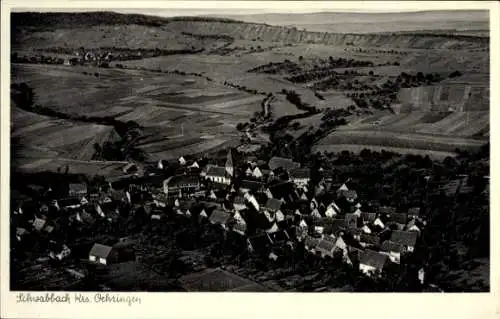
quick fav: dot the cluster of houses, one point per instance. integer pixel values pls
(272, 205)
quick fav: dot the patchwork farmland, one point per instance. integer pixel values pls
(190, 83)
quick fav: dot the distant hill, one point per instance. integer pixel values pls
(42, 20)
(109, 29)
(355, 22)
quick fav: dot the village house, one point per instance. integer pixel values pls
(218, 174)
(186, 184)
(257, 173)
(369, 240)
(272, 205)
(240, 228)
(77, 189)
(300, 176)
(413, 212)
(21, 233)
(251, 186)
(407, 239)
(326, 247)
(220, 217)
(102, 254)
(239, 203)
(393, 250)
(372, 262)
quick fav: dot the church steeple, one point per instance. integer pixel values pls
(229, 164)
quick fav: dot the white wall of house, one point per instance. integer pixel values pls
(92, 258)
(102, 261)
(300, 181)
(367, 269)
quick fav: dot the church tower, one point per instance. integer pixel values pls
(229, 164)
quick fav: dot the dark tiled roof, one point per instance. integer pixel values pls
(368, 217)
(414, 211)
(77, 188)
(370, 239)
(300, 173)
(285, 163)
(239, 200)
(311, 242)
(389, 246)
(386, 210)
(405, 238)
(400, 218)
(251, 185)
(219, 217)
(273, 204)
(183, 180)
(326, 245)
(373, 258)
(216, 171)
(240, 227)
(351, 220)
(338, 225)
(99, 250)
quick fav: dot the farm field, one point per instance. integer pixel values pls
(464, 124)
(55, 138)
(166, 105)
(357, 148)
(402, 140)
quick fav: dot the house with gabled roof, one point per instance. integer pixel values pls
(257, 173)
(254, 187)
(21, 233)
(311, 243)
(412, 226)
(393, 250)
(413, 212)
(351, 220)
(316, 214)
(239, 203)
(372, 262)
(369, 240)
(77, 189)
(240, 228)
(220, 217)
(39, 223)
(300, 176)
(218, 174)
(326, 247)
(272, 205)
(405, 238)
(368, 218)
(252, 201)
(181, 183)
(338, 225)
(102, 254)
(350, 195)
